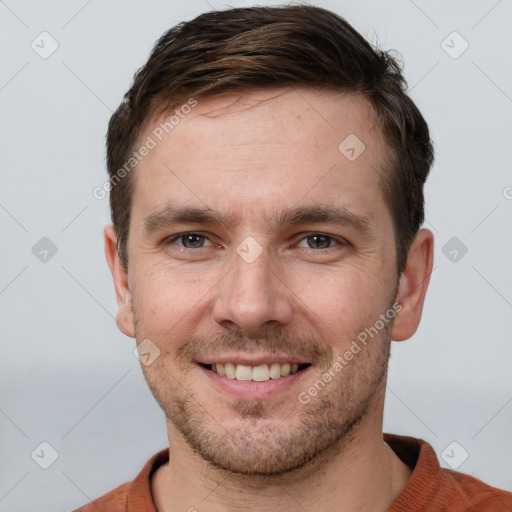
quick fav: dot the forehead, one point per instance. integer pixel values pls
(258, 151)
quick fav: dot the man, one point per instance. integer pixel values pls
(266, 186)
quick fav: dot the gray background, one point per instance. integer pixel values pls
(69, 377)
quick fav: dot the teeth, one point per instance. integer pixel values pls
(229, 368)
(243, 372)
(259, 373)
(275, 371)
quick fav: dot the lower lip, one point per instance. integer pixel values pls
(250, 389)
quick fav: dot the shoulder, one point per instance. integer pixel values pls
(432, 488)
(134, 495)
(113, 501)
(479, 496)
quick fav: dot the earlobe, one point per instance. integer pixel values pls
(125, 317)
(413, 285)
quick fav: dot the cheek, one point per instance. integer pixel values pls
(342, 305)
(166, 299)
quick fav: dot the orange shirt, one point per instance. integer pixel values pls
(430, 488)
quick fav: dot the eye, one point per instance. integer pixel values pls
(317, 242)
(189, 240)
(321, 242)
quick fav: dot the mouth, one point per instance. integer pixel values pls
(260, 373)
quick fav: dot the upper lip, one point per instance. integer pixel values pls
(252, 359)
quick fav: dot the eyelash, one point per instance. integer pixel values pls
(341, 242)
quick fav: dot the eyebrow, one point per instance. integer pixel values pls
(317, 214)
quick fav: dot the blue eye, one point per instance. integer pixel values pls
(190, 240)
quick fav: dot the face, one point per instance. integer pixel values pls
(258, 248)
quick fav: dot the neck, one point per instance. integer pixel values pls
(361, 473)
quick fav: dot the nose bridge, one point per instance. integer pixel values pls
(251, 294)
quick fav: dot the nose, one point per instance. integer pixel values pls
(253, 296)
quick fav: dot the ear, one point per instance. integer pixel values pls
(125, 318)
(413, 285)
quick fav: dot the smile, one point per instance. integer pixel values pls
(260, 373)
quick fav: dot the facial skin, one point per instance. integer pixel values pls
(250, 157)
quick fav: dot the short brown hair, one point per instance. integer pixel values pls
(299, 45)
